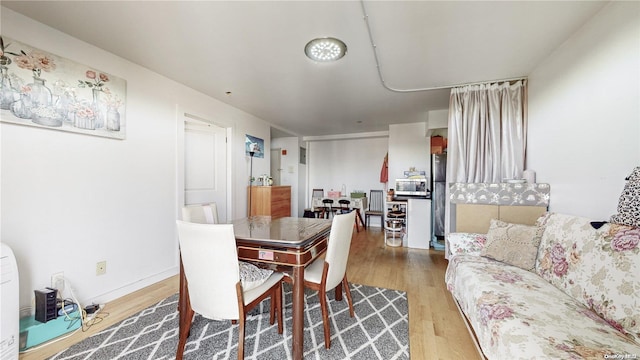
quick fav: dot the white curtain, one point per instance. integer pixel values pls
(487, 134)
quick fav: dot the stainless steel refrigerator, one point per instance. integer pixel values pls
(438, 195)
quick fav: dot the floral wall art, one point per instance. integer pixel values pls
(48, 91)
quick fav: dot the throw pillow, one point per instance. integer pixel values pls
(629, 203)
(252, 276)
(514, 244)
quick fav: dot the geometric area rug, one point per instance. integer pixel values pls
(379, 330)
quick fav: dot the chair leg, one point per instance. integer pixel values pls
(272, 308)
(241, 338)
(185, 329)
(345, 285)
(276, 307)
(325, 318)
(279, 307)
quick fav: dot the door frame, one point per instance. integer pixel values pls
(181, 116)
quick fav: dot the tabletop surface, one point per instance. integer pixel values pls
(289, 231)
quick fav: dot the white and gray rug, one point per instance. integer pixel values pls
(380, 330)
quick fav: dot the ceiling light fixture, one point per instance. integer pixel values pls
(325, 49)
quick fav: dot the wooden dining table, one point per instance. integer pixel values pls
(287, 243)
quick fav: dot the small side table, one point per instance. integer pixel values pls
(394, 233)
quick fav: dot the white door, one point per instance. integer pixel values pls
(205, 165)
(275, 166)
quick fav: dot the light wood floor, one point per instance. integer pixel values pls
(435, 327)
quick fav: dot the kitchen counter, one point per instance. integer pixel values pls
(405, 198)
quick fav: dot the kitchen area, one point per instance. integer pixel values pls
(405, 153)
(415, 202)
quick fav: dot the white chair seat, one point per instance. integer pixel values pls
(252, 294)
(313, 271)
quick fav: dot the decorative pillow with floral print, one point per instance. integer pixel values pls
(598, 267)
(466, 243)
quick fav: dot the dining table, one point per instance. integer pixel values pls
(288, 244)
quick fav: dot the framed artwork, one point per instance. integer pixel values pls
(255, 144)
(49, 91)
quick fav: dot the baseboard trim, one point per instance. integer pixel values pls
(135, 286)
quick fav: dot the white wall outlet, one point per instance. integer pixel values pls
(101, 268)
(57, 281)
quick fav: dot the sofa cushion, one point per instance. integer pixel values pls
(515, 314)
(598, 267)
(514, 244)
(629, 202)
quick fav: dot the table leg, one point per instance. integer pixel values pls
(359, 218)
(298, 312)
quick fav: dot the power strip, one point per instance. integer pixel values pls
(90, 309)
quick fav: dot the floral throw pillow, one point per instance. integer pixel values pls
(514, 244)
(252, 276)
(629, 203)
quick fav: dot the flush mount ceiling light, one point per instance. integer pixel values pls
(325, 49)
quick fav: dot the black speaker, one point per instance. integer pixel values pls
(46, 304)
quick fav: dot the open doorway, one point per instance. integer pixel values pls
(276, 166)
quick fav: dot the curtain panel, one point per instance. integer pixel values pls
(487, 135)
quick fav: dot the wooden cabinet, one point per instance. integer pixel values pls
(274, 201)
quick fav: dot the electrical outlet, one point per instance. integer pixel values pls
(57, 281)
(101, 268)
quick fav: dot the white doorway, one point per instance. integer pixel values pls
(205, 164)
(276, 166)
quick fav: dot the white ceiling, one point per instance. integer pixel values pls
(256, 51)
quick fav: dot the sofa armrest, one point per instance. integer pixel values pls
(466, 243)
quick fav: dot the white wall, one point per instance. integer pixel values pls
(584, 114)
(438, 119)
(409, 147)
(353, 162)
(70, 200)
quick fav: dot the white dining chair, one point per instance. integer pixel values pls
(330, 272)
(215, 288)
(201, 213)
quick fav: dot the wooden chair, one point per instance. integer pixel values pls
(330, 273)
(345, 207)
(327, 209)
(214, 288)
(375, 206)
(201, 213)
(311, 212)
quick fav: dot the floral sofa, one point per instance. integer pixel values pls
(579, 300)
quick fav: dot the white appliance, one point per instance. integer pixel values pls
(418, 223)
(412, 186)
(9, 304)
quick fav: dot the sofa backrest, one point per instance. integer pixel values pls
(598, 267)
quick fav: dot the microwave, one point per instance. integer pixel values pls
(412, 187)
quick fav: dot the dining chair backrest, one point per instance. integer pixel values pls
(211, 268)
(201, 213)
(376, 200)
(345, 205)
(338, 248)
